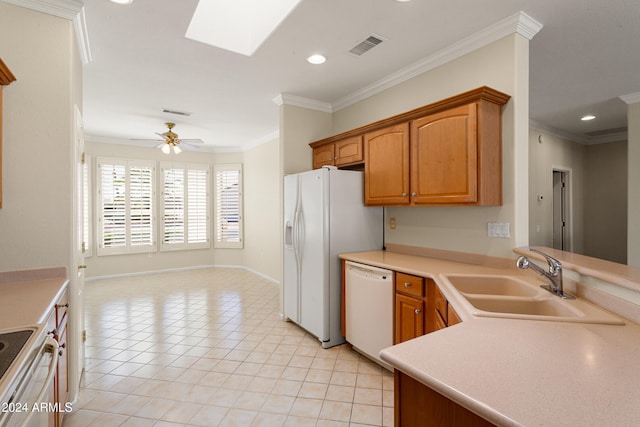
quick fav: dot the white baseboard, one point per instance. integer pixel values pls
(174, 270)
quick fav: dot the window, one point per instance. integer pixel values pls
(126, 217)
(185, 206)
(228, 187)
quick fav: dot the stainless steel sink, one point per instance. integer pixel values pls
(515, 298)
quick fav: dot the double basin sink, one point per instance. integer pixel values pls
(512, 297)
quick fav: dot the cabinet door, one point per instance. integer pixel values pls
(444, 158)
(386, 167)
(453, 318)
(62, 375)
(323, 155)
(409, 318)
(349, 151)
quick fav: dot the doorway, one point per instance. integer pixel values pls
(561, 217)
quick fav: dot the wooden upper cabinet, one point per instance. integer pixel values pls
(323, 156)
(386, 166)
(445, 153)
(444, 160)
(341, 153)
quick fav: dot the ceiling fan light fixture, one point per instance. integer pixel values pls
(177, 149)
(166, 149)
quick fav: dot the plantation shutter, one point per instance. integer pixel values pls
(114, 206)
(140, 205)
(228, 185)
(185, 200)
(198, 196)
(173, 202)
(126, 218)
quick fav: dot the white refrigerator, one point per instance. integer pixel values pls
(324, 215)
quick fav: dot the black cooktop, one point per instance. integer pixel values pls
(10, 345)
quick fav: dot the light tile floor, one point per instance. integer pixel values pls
(207, 348)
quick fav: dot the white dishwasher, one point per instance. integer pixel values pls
(369, 309)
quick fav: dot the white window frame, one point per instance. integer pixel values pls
(128, 247)
(192, 197)
(221, 240)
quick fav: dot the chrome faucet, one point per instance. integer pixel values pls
(553, 275)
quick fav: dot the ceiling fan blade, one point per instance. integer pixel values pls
(192, 141)
(187, 146)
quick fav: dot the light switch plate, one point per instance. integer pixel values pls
(499, 229)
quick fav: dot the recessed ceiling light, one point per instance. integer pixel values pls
(122, 1)
(316, 59)
(588, 117)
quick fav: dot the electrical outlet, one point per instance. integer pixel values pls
(392, 223)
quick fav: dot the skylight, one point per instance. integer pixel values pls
(240, 26)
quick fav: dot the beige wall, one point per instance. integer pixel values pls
(633, 232)
(98, 266)
(262, 210)
(555, 152)
(502, 65)
(35, 221)
(298, 127)
(605, 202)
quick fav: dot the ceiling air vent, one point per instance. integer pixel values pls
(366, 45)
(607, 131)
(176, 112)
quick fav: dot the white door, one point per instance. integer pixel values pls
(76, 274)
(313, 221)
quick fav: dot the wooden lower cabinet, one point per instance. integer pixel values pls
(420, 308)
(57, 326)
(417, 405)
(409, 318)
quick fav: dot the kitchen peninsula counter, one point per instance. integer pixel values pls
(518, 372)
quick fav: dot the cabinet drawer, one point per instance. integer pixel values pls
(408, 284)
(441, 304)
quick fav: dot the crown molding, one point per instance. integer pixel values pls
(631, 98)
(67, 9)
(519, 23)
(72, 10)
(82, 37)
(299, 101)
(577, 138)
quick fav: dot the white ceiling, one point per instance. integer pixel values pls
(585, 57)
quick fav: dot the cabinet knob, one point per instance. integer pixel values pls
(404, 194)
(414, 194)
(407, 284)
(417, 311)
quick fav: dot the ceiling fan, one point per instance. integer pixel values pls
(172, 142)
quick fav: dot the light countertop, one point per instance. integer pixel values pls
(28, 296)
(519, 372)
